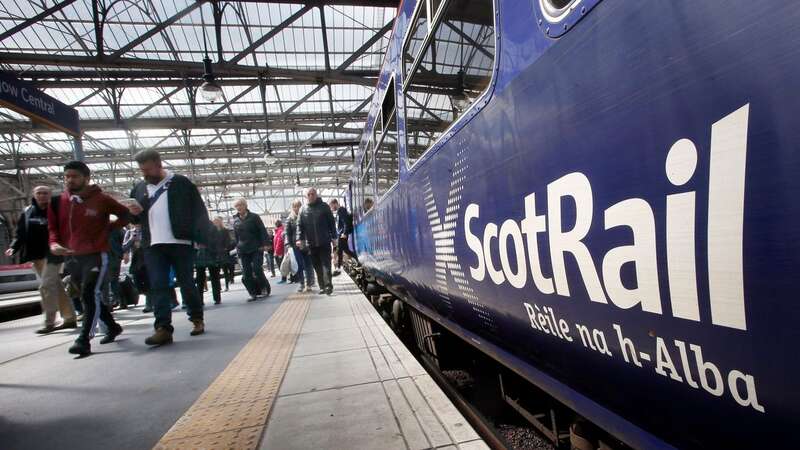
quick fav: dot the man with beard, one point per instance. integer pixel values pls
(78, 229)
(31, 243)
(173, 218)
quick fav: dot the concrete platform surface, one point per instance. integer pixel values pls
(293, 371)
(351, 384)
(125, 395)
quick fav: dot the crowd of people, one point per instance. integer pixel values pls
(164, 234)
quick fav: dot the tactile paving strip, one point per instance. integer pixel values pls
(233, 411)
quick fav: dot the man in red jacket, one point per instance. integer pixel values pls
(79, 231)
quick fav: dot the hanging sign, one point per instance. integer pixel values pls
(25, 99)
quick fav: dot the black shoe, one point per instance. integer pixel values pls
(336, 273)
(67, 324)
(218, 302)
(111, 335)
(329, 291)
(147, 309)
(321, 291)
(46, 330)
(80, 347)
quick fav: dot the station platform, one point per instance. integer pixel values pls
(293, 371)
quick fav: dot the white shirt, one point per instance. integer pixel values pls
(158, 216)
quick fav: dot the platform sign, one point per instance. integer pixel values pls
(25, 99)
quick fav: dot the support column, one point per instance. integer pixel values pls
(77, 148)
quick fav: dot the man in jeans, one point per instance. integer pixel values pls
(317, 230)
(251, 241)
(78, 229)
(173, 218)
(31, 244)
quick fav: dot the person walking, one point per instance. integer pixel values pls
(317, 229)
(305, 270)
(31, 243)
(279, 248)
(344, 228)
(115, 255)
(173, 218)
(212, 257)
(78, 229)
(251, 240)
(270, 253)
(134, 253)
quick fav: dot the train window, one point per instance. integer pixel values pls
(386, 159)
(454, 70)
(388, 103)
(367, 188)
(386, 156)
(414, 39)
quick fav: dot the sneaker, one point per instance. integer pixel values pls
(80, 347)
(308, 288)
(111, 335)
(67, 324)
(198, 328)
(252, 299)
(301, 288)
(46, 330)
(321, 291)
(329, 290)
(162, 336)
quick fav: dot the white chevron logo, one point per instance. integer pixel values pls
(444, 231)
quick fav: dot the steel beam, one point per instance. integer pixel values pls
(35, 19)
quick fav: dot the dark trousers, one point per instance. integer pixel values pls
(216, 290)
(341, 247)
(115, 295)
(321, 259)
(271, 263)
(158, 259)
(227, 271)
(253, 276)
(89, 272)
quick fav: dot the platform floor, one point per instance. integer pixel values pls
(294, 371)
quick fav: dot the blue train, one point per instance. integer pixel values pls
(602, 196)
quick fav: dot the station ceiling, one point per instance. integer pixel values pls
(296, 77)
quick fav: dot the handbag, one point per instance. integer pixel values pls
(286, 267)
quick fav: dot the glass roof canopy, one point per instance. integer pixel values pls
(297, 80)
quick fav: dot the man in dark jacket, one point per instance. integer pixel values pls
(251, 242)
(31, 245)
(78, 229)
(173, 218)
(317, 230)
(344, 228)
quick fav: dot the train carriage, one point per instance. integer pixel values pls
(601, 195)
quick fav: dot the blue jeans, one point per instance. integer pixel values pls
(158, 260)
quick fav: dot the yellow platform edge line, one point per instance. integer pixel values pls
(233, 411)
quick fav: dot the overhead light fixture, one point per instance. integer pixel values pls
(209, 90)
(269, 158)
